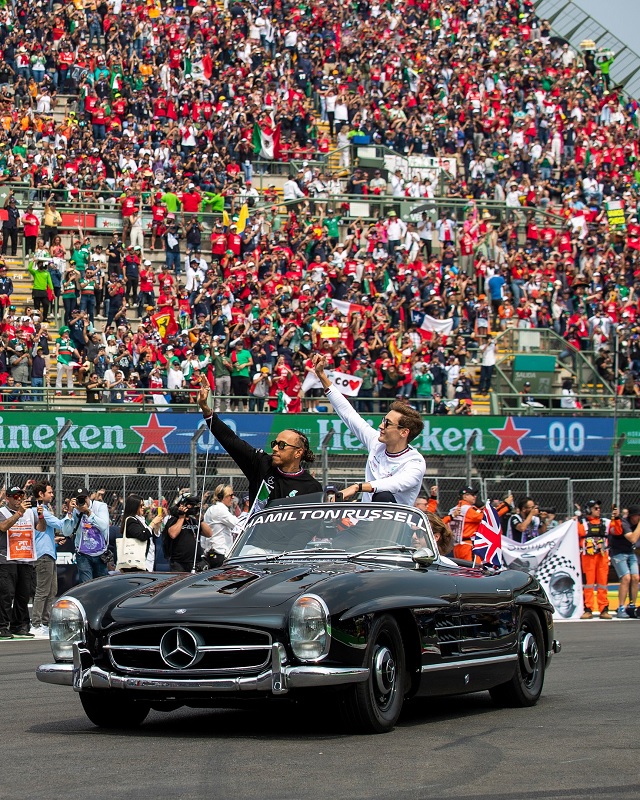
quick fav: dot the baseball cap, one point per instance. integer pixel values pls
(561, 578)
(468, 490)
(15, 491)
(634, 511)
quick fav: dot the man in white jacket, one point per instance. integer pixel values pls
(394, 470)
(221, 520)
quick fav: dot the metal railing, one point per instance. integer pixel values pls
(544, 341)
(104, 218)
(575, 25)
(50, 398)
(550, 404)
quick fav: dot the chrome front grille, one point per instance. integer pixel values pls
(194, 649)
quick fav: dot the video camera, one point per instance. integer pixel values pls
(190, 501)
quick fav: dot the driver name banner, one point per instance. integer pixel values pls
(21, 543)
(329, 514)
(554, 558)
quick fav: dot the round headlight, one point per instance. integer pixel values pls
(309, 628)
(66, 626)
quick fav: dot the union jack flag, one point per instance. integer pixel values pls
(487, 540)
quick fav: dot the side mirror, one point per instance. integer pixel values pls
(424, 557)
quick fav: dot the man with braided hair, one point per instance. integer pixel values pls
(281, 472)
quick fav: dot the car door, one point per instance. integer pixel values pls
(438, 622)
(487, 618)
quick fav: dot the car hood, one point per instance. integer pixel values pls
(232, 587)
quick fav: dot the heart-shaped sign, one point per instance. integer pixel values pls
(354, 385)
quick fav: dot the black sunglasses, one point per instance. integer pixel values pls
(281, 445)
(386, 423)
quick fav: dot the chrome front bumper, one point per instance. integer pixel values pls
(277, 679)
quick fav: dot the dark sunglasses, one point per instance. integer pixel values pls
(281, 445)
(386, 423)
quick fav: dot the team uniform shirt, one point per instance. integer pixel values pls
(398, 473)
(258, 466)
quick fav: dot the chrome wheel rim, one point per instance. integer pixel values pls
(529, 656)
(384, 673)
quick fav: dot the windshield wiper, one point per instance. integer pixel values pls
(396, 548)
(308, 551)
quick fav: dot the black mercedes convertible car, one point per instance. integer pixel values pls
(342, 601)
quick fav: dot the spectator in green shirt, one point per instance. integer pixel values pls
(424, 389)
(368, 375)
(333, 231)
(171, 200)
(241, 366)
(80, 256)
(42, 288)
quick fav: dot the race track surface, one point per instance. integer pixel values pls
(579, 742)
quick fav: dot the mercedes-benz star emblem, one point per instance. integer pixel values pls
(179, 648)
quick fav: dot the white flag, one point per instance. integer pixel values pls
(346, 384)
(443, 326)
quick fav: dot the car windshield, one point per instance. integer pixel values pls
(333, 528)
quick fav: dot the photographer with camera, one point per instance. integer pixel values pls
(181, 537)
(528, 521)
(19, 522)
(88, 522)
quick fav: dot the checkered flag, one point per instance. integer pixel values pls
(557, 563)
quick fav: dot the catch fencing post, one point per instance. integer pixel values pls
(325, 457)
(617, 450)
(469, 457)
(59, 441)
(193, 460)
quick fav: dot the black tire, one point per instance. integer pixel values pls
(108, 711)
(525, 687)
(374, 706)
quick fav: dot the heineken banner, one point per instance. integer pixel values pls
(156, 433)
(554, 558)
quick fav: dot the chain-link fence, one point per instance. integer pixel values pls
(558, 488)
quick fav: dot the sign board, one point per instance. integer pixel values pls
(161, 432)
(78, 219)
(615, 215)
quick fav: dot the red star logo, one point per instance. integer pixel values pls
(509, 437)
(153, 434)
(105, 223)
